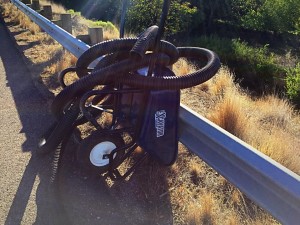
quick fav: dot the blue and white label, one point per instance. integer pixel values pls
(160, 117)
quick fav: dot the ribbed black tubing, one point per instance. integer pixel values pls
(119, 73)
(121, 58)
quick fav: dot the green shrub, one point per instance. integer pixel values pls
(292, 81)
(73, 13)
(106, 25)
(143, 14)
(243, 58)
(280, 16)
(259, 59)
(222, 46)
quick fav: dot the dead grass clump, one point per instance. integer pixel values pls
(56, 8)
(279, 146)
(9, 10)
(274, 111)
(79, 25)
(203, 213)
(48, 40)
(197, 172)
(229, 114)
(16, 16)
(21, 19)
(232, 219)
(33, 28)
(182, 67)
(110, 34)
(65, 60)
(24, 21)
(221, 83)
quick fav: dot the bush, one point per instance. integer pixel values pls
(293, 83)
(259, 59)
(108, 26)
(73, 13)
(242, 58)
(280, 16)
(143, 14)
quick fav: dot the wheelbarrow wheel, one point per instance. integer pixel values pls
(93, 149)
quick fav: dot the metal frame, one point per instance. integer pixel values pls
(266, 182)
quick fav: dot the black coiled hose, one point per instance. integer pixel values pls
(121, 59)
(118, 69)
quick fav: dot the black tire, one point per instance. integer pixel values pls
(83, 154)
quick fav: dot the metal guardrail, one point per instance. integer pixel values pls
(68, 41)
(266, 182)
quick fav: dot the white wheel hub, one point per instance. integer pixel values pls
(98, 152)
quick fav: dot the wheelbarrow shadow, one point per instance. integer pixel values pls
(145, 194)
(141, 199)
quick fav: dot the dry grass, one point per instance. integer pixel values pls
(221, 83)
(280, 146)
(274, 111)
(81, 26)
(182, 67)
(269, 124)
(264, 122)
(110, 34)
(66, 60)
(50, 73)
(20, 19)
(229, 114)
(203, 213)
(56, 8)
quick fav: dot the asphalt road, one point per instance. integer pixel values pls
(25, 194)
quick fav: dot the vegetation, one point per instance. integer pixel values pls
(264, 15)
(293, 83)
(269, 15)
(256, 66)
(142, 14)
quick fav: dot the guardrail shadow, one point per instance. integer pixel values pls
(76, 199)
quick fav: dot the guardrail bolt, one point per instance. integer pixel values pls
(96, 34)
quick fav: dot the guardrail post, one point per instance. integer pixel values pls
(47, 12)
(66, 22)
(96, 34)
(35, 5)
(57, 22)
(85, 38)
